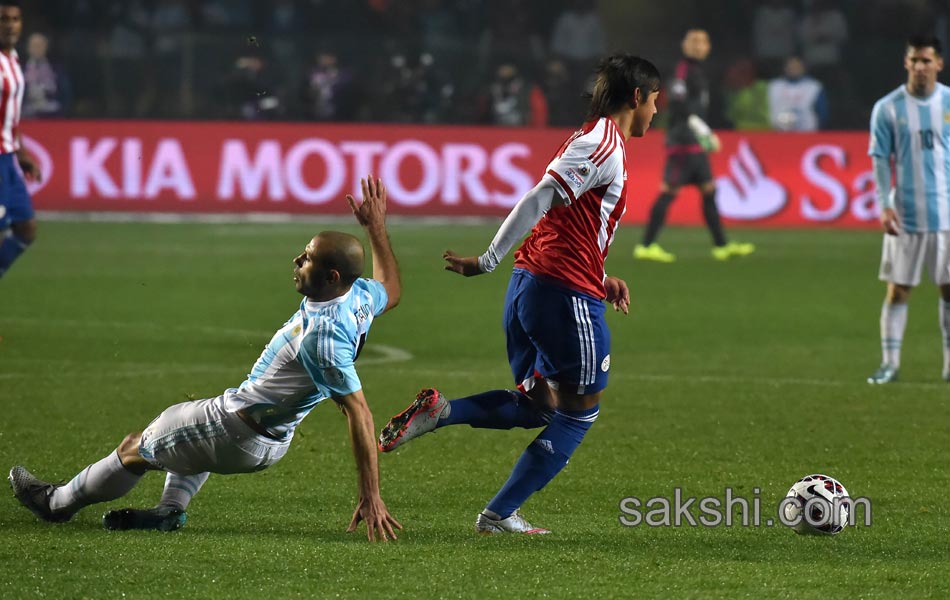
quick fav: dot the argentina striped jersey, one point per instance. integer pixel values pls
(916, 133)
(309, 359)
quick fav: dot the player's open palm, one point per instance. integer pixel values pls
(372, 210)
(380, 525)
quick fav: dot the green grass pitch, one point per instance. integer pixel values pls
(747, 374)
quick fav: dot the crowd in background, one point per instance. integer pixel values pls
(502, 62)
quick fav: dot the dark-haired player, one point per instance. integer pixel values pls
(557, 337)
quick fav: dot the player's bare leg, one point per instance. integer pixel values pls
(25, 230)
(893, 324)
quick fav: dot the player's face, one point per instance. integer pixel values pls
(643, 114)
(696, 44)
(11, 25)
(922, 66)
(308, 277)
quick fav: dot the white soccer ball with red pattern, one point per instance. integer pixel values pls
(817, 504)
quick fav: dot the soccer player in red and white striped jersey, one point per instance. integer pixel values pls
(557, 338)
(17, 222)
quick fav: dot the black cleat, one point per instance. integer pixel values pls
(160, 518)
(34, 494)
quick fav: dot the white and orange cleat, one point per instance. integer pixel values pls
(488, 523)
(422, 416)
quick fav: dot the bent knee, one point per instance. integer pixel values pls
(129, 447)
(577, 402)
(25, 230)
(898, 294)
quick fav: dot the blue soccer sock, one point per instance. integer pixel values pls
(497, 409)
(543, 459)
(11, 247)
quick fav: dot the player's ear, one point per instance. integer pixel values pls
(635, 99)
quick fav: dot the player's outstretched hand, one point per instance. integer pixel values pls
(463, 265)
(890, 222)
(372, 210)
(618, 294)
(379, 523)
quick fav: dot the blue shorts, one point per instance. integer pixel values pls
(555, 333)
(14, 198)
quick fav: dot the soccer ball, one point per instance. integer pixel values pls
(817, 504)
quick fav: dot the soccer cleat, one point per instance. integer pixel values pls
(884, 374)
(652, 252)
(421, 417)
(732, 249)
(161, 518)
(487, 523)
(35, 494)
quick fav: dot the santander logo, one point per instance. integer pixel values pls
(747, 193)
(43, 160)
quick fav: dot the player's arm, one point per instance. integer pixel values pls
(27, 164)
(881, 149)
(685, 107)
(704, 133)
(370, 507)
(371, 214)
(522, 218)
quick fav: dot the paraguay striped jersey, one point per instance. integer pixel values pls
(569, 244)
(916, 132)
(11, 101)
(309, 359)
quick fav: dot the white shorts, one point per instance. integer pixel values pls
(195, 437)
(904, 256)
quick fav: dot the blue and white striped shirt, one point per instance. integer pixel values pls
(916, 132)
(309, 359)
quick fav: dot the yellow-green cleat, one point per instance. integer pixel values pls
(653, 252)
(732, 249)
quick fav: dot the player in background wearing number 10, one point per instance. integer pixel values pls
(911, 127)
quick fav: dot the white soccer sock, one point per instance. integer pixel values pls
(893, 323)
(105, 480)
(179, 489)
(945, 329)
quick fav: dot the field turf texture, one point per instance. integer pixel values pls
(746, 374)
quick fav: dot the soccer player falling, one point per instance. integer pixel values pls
(557, 338)
(250, 428)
